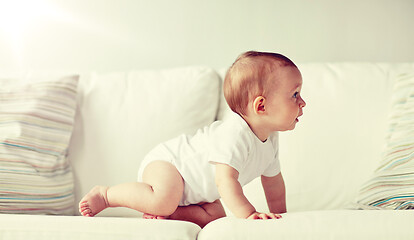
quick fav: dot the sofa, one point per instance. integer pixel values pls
(348, 166)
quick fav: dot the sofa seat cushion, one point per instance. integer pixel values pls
(329, 224)
(75, 227)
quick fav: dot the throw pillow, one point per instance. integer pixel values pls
(392, 186)
(36, 122)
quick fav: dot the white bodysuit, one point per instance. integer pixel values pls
(231, 142)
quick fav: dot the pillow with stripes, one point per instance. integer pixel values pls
(392, 186)
(36, 122)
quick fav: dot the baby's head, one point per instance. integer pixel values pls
(258, 77)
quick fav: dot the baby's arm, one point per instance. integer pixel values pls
(274, 188)
(231, 191)
(232, 194)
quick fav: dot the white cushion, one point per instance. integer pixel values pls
(334, 224)
(339, 138)
(100, 228)
(122, 116)
(36, 121)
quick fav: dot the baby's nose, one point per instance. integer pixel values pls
(302, 103)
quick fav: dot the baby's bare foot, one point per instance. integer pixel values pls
(150, 216)
(94, 202)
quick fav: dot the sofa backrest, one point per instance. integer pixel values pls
(121, 116)
(339, 140)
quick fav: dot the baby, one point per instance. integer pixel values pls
(184, 178)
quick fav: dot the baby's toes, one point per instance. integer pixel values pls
(83, 205)
(148, 216)
(84, 209)
(87, 212)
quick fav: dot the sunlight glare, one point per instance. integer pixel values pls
(18, 17)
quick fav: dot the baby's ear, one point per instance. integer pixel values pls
(259, 105)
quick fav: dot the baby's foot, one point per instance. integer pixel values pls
(94, 202)
(150, 216)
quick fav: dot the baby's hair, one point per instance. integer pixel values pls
(247, 77)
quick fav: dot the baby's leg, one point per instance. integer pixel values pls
(158, 194)
(200, 214)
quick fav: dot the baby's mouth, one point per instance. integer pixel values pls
(297, 119)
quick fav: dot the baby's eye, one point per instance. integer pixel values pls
(295, 95)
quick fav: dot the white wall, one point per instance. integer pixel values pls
(107, 35)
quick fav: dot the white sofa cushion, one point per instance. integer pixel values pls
(80, 228)
(122, 116)
(36, 121)
(316, 225)
(392, 186)
(340, 137)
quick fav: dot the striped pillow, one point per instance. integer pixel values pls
(36, 121)
(392, 186)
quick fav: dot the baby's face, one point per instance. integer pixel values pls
(284, 102)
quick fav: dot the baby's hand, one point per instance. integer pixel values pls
(264, 216)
